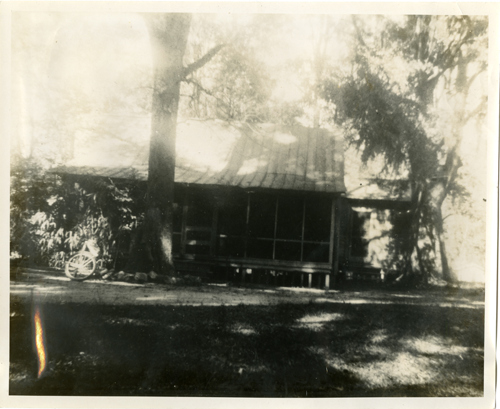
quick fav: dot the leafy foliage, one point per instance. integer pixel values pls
(51, 218)
(239, 91)
(386, 122)
(236, 85)
(405, 101)
(397, 84)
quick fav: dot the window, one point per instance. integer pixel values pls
(199, 219)
(289, 226)
(290, 218)
(261, 225)
(286, 227)
(232, 221)
(177, 220)
(317, 220)
(262, 215)
(177, 229)
(317, 229)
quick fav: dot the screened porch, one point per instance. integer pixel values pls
(256, 232)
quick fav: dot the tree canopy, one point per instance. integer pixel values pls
(412, 112)
(406, 90)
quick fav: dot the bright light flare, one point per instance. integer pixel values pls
(40, 347)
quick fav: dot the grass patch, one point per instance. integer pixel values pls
(293, 350)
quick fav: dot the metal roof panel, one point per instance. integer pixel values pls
(245, 155)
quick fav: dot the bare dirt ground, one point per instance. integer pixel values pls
(43, 285)
(112, 338)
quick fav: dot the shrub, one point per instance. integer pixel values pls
(52, 217)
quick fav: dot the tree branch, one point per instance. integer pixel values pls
(358, 31)
(480, 107)
(448, 55)
(203, 60)
(206, 91)
(473, 77)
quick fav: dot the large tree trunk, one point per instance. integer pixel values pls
(427, 229)
(415, 272)
(429, 195)
(151, 248)
(445, 268)
(438, 189)
(436, 197)
(168, 34)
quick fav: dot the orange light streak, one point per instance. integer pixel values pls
(40, 348)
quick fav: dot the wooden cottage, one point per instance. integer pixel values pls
(259, 200)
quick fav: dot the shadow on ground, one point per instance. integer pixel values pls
(311, 349)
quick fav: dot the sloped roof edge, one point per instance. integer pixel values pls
(244, 155)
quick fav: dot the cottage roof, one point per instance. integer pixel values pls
(235, 154)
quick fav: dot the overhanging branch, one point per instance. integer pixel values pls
(206, 91)
(203, 60)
